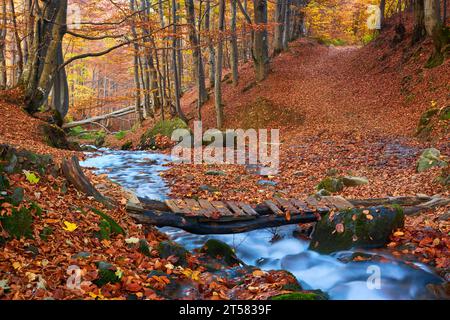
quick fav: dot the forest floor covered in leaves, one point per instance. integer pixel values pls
(345, 110)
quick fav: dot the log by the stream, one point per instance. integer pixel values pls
(115, 114)
(74, 174)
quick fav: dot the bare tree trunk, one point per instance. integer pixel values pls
(211, 50)
(432, 16)
(382, 12)
(419, 21)
(197, 55)
(137, 83)
(234, 44)
(219, 61)
(278, 34)
(287, 25)
(176, 74)
(44, 63)
(17, 39)
(261, 48)
(3, 28)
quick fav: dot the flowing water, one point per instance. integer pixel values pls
(140, 172)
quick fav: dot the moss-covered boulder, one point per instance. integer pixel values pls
(350, 181)
(170, 248)
(433, 122)
(219, 250)
(56, 137)
(303, 295)
(107, 273)
(19, 224)
(127, 146)
(356, 228)
(430, 158)
(164, 128)
(331, 184)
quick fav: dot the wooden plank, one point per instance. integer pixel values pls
(248, 209)
(319, 206)
(183, 207)
(194, 207)
(338, 202)
(222, 208)
(273, 207)
(235, 208)
(173, 206)
(287, 206)
(301, 205)
(210, 210)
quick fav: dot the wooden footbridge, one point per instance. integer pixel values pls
(227, 217)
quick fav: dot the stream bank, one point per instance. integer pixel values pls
(339, 275)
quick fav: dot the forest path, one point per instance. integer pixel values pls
(326, 88)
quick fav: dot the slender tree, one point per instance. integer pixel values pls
(260, 47)
(175, 60)
(234, 44)
(419, 21)
(219, 62)
(137, 82)
(196, 55)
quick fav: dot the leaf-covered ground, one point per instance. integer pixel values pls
(350, 110)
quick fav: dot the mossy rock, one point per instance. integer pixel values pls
(306, 296)
(331, 184)
(170, 248)
(430, 158)
(444, 114)
(4, 183)
(45, 233)
(356, 228)
(350, 181)
(115, 227)
(144, 247)
(55, 137)
(105, 230)
(435, 60)
(16, 161)
(164, 128)
(127, 146)
(219, 250)
(18, 224)
(106, 274)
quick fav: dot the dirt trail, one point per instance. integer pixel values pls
(334, 89)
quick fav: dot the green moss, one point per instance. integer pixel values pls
(144, 247)
(127, 146)
(115, 227)
(359, 230)
(298, 296)
(331, 184)
(55, 137)
(105, 276)
(218, 249)
(19, 224)
(45, 233)
(4, 183)
(170, 248)
(105, 230)
(120, 135)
